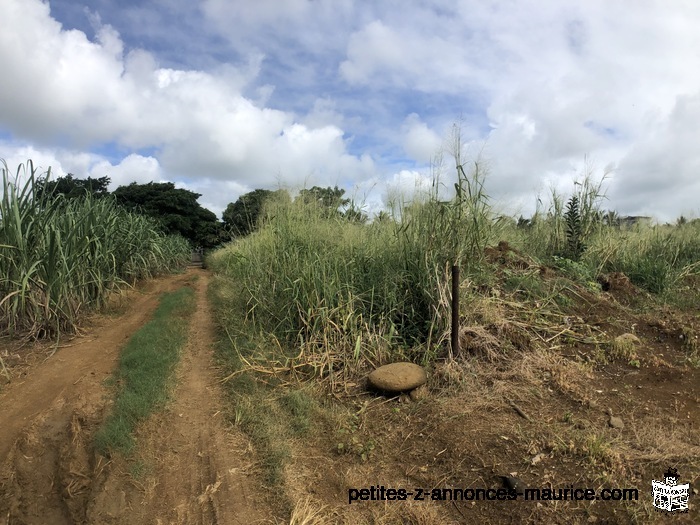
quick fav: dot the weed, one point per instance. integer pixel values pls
(299, 405)
(307, 512)
(574, 229)
(624, 347)
(144, 372)
(138, 469)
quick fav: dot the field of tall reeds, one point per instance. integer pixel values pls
(61, 257)
(337, 292)
(576, 236)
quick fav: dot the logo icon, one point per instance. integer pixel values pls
(668, 495)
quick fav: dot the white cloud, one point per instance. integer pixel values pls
(311, 24)
(133, 168)
(419, 141)
(381, 55)
(17, 157)
(661, 172)
(58, 85)
(309, 88)
(406, 186)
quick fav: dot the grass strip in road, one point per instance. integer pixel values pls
(145, 368)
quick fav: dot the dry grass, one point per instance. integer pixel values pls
(309, 512)
(624, 347)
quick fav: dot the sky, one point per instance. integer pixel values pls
(223, 97)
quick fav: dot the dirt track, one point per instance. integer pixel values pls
(189, 468)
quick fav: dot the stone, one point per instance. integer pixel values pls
(398, 377)
(616, 422)
(418, 394)
(625, 347)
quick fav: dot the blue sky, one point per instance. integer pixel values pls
(226, 96)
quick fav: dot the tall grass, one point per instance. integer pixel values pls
(59, 257)
(340, 290)
(549, 232)
(655, 258)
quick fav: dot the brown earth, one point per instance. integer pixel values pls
(189, 467)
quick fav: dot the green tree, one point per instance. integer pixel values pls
(177, 210)
(241, 217)
(72, 187)
(355, 214)
(330, 199)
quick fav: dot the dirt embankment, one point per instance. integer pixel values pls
(188, 467)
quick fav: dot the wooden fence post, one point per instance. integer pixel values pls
(455, 311)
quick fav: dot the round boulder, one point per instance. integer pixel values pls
(398, 377)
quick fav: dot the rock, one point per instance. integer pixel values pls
(616, 281)
(418, 394)
(616, 422)
(398, 377)
(512, 483)
(625, 347)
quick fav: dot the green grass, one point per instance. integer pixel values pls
(256, 409)
(267, 409)
(299, 405)
(145, 369)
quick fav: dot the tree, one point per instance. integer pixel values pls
(241, 217)
(355, 214)
(177, 211)
(382, 217)
(330, 199)
(72, 187)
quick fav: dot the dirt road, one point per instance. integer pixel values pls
(189, 468)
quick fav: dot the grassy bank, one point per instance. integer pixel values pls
(336, 291)
(145, 369)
